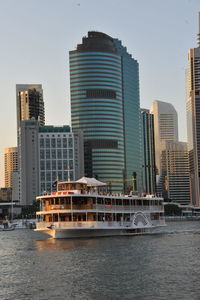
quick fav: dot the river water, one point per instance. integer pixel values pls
(158, 266)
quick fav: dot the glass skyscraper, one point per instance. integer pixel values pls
(104, 84)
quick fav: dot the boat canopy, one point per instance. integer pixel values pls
(91, 181)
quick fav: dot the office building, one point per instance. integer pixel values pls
(28, 162)
(175, 172)
(47, 153)
(30, 104)
(61, 155)
(165, 129)
(148, 150)
(104, 80)
(10, 165)
(193, 119)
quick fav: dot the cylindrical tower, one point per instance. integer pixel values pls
(97, 106)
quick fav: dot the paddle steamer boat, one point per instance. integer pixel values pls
(80, 209)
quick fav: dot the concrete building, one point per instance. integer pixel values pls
(165, 129)
(10, 165)
(61, 156)
(104, 81)
(148, 150)
(175, 172)
(193, 119)
(15, 187)
(30, 103)
(47, 153)
(28, 162)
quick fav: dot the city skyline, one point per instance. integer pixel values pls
(37, 53)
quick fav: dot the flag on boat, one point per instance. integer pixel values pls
(55, 183)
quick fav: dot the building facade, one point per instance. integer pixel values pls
(30, 104)
(47, 153)
(61, 156)
(28, 162)
(148, 150)
(10, 165)
(104, 85)
(175, 172)
(165, 129)
(193, 119)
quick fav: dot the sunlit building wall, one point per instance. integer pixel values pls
(30, 104)
(10, 165)
(165, 129)
(193, 119)
(175, 172)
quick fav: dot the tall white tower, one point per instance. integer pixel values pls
(165, 127)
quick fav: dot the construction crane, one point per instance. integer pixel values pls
(132, 179)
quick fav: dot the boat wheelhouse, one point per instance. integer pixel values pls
(83, 209)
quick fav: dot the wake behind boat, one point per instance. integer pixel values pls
(79, 209)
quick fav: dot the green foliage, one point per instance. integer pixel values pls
(172, 210)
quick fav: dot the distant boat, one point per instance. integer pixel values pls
(6, 226)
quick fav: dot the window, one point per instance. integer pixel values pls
(70, 143)
(53, 153)
(53, 164)
(71, 164)
(100, 93)
(41, 143)
(53, 143)
(59, 143)
(70, 153)
(47, 143)
(47, 154)
(48, 176)
(65, 165)
(41, 154)
(48, 165)
(59, 164)
(64, 143)
(59, 153)
(64, 153)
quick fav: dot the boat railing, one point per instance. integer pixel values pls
(82, 224)
(108, 207)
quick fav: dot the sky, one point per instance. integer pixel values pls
(36, 36)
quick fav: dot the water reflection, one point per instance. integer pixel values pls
(63, 244)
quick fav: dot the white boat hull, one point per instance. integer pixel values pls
(88, 233)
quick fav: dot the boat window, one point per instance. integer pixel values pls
(62, 200)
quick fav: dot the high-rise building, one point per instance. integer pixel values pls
(148, 150)
(175, 172)
(47, 153)
(10, 165)
(30, 104)
(28, 162)
(104, 82)
(165, 129)
(193, 119)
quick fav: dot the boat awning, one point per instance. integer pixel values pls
(91, 181)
